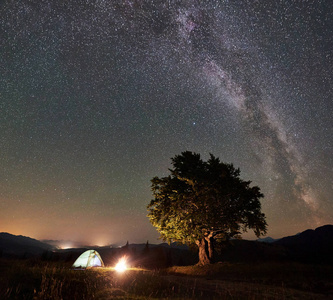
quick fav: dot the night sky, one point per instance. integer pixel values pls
(97, 96)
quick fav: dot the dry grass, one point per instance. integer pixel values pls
(299, 281)
(37, 280)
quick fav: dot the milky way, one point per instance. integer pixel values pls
(97, 97)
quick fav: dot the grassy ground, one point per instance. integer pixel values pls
(267, 280)
(38, 280)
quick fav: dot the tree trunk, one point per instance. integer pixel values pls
(211, 250)
(206, 251)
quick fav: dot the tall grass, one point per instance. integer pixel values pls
(39, 280)
(304, 277)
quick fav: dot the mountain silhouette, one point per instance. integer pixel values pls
(310, 245)
(22, 246)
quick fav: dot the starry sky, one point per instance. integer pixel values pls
(96, 96)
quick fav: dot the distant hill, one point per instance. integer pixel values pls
(140, 247)
(21, 246)
(267, 240)
(63, 244)
(250, 252)
(319, 236)
(310, 245)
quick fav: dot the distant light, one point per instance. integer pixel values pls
(121, 265)
(65, 246)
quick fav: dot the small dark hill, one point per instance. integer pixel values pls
(267, 240)
(21, 246)
(250, 251)
(320, 236)
(312, 246)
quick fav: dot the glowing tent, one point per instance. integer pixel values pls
(88, 259)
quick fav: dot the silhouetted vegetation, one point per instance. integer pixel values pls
(35, 279)
(202, 201)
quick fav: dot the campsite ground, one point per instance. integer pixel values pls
(34, 279)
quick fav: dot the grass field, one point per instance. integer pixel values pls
(29, 279)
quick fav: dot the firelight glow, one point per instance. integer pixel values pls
(121, 265)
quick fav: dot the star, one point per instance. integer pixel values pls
(97, 97)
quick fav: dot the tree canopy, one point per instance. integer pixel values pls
(202, 200)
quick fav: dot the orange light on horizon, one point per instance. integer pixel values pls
(66, 246)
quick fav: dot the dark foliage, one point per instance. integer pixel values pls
(201, 201)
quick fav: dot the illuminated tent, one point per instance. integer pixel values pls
(88, 259)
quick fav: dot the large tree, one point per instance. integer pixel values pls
(204, 200)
